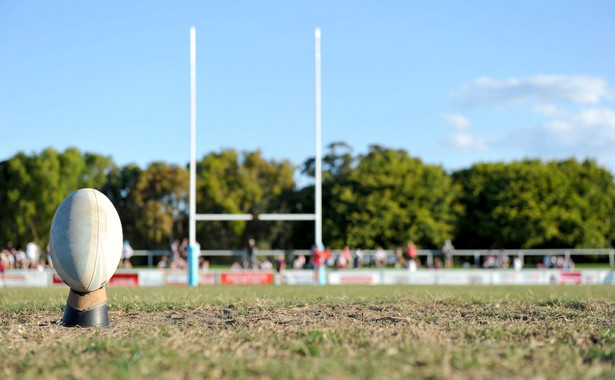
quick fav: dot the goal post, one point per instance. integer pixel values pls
(194, 217)
(247, 217)
(318, 127)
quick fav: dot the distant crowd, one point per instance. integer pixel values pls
(12, 257)
(556, 262)
(406, 258)
(31, 256)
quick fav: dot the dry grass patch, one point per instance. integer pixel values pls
(331, 332)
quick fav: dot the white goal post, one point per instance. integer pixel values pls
(316, 217)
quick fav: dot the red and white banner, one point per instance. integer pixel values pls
(206, 278)
(246, 278)
(56, 280)
(354, 277)
(570, 278)
(124, 279)
(118, 279)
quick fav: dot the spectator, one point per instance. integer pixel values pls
(358, 258)
(3, 262)
(328, 258)
(447, 250)
(21, 259)
(49, 263)
(568, 264)
(299, 262)
(164, 262)
(236, 267)
(10, 259)
(517, 264)
(317, 260)
(249, 261)
(401, 260)
(315, 256)
(176, 259)
(343, 258)
(183, 252)
(503, 259)
(380, 257)
(9, 246)
(127, 253)
(32, 253)
(266, 265)
(4, 257)
(412, 255)
(412, 267)
(346, 255)
(280, 263)
(490, 261)
(175, 247)
(437, 263)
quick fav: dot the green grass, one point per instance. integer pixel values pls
(283, 332)
(593, 266)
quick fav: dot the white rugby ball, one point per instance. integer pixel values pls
(86, 240)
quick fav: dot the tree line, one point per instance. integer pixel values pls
(384, 197)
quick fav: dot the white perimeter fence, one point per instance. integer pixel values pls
(169, 277)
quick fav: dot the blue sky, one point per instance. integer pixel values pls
(452, 82)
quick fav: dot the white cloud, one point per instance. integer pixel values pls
(545, 109)
(542, 89)
(597, 117)
(456, 120)
(573, 116)
(558, 127)
(465, 141)
(589, 132)
(462, 140)
(590, 124)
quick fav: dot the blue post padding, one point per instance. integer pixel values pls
(322, 276)
(194, 251)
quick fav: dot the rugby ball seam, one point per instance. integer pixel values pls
(97, 238)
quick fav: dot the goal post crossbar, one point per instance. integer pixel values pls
(316, 217)
(248, 217)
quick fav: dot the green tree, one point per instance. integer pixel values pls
(337, 163)
(384, 198)
(119, 188)
(531, 204)
(229, 182)
(32, 187)
(391, 198)
(154, 204)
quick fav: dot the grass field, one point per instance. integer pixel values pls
(333, 332)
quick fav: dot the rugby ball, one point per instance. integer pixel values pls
(86, 240)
